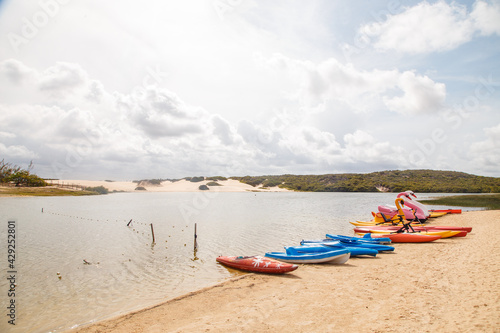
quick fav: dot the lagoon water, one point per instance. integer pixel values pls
(126, 271)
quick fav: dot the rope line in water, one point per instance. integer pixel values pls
(98, 220)
(130, 223)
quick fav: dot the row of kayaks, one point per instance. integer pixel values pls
(375, 237)
(402, 227)
(334, 249)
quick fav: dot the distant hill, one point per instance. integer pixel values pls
(425, 181)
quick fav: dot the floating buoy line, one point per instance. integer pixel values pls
(128, 223)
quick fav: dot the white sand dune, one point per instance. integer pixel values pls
(183, 185)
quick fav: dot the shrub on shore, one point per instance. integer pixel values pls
(98, 189)
(20, 177)
(196, 179)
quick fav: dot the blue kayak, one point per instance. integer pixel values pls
(351, 243)
(381, 240)
(378, 247)
(336, 256)
(327, 246)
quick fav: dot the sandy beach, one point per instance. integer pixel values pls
(450, 285)
(229, 185)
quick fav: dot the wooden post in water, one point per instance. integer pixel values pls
(152, 232)
(195, 236)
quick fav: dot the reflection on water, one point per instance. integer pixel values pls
(102, 247)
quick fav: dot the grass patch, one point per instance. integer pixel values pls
(488, 201)
(41, 192)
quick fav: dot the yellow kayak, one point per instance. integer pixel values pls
(373, 223)
(437, 214)
(377, 218)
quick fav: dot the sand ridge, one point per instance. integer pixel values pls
(450, 285)
(229, 185)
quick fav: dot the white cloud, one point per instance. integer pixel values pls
(420, 95)
(361, 146)
(153, 129)
(222, 129)
(436, 27)
(16, 152)
(487, 153)
(365, 91)
(15, 71)
(311, 146)
(7, 135)
(486, 17)
(62, 77)
(160, 113)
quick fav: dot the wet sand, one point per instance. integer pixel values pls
(450, 285)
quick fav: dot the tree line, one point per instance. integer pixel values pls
(425, 181)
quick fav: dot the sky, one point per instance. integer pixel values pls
(125, 90)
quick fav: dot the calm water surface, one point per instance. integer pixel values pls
(127, 271)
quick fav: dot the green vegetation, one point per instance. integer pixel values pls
(97, 189)
(195, 179)
(213, 184)
(424, 181)
(203, 187)
(140, 188)
(13, 174)
(41, 192)
(268, 181)
(216, 178)
(19, 181)
(489, 201)
(149, 181)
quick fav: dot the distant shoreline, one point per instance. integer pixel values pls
(73, 187)
(183, 185)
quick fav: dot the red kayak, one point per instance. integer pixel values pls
(407, 238)
(449, 211)
(418, 228)
(257, 264)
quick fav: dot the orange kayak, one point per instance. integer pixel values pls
(408, 238)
